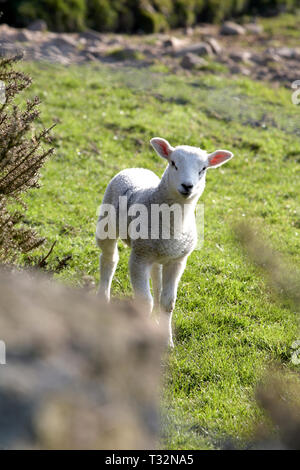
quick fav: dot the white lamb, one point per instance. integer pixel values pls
(152, 254)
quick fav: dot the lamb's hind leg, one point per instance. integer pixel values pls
(156, 276)
(140, 280)
(108, 262)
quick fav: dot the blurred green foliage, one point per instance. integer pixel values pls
(134, 15)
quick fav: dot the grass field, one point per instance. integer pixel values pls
(229, 326)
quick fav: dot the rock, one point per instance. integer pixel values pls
(231, 28)
(8, 49)
(49, 48)
(85, 56)
(240, 56)
(254, 28)
(272, 57)
(260, 59)
(192, 61)
(38, 25)
(149, 52)
(92, 53)
(283, 53)
(188, 31)
(288, 52)
(113, 42)
(6, 30)
(65, 40)
(201, 48)
(91, 35)
(24, 36)
(215, 45)
(64, 45)
(237, 69)
(174, 43)
(7, 34)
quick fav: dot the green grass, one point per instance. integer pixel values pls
(283, 26)
(229, 326)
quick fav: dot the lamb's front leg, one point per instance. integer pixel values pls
(172, 273)
(140, 279)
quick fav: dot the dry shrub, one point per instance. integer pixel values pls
(80, 374)
(22, 154)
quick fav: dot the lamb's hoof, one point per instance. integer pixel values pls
(101, 295)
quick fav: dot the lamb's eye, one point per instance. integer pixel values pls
(200, 172)
(173, 164)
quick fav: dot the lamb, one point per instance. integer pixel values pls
(153, 255)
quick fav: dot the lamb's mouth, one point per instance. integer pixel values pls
(185, 194)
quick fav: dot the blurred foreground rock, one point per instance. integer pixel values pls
(279, 397)
(79, 374)
(279, 393)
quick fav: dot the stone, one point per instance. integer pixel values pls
(174, 43)
(240, 56)
(238, 69)
(188, 31)
(113, 42)
(64, 46)
(272, 57)
(92, 53)
(260, 59)
(6, 30)
(287, 52)
(201, 48)
(65, 40)
(192, 61)
(7, 49)
(254, 28)
(7, 34)
(215, 45)
(38, 25)
(91, 35)
(231, 28)
(24, 36)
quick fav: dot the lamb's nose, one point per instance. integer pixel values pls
(187, 187)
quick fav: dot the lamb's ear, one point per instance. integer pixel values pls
(162, 147)
(218, 157)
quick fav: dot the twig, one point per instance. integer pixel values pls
(42, 263)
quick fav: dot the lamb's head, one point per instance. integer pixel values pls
(187, 166)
